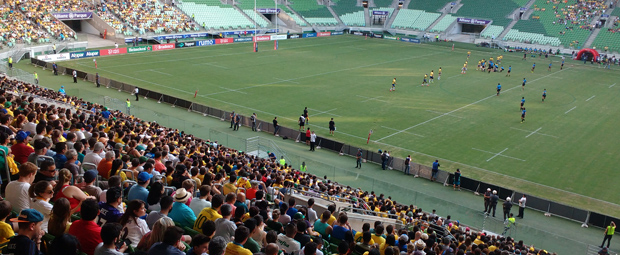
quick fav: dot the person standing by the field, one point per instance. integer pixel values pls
(432, 80)
(435, 170)
(276, 128)
(308, 134)
(128, 106)
(237, 122)
(312, 141)
(232, 119)
(522, 206)
(509, 70)
(302, 122)
(487, 199)
(407, 164)
(97, 80)
(457, 179)
(439, 74)
(609, 233)
(523, 115)
(533, 67)
(492, 203)
(358, 158)
(306, 119)
(36, 78)
(393, 88)
(506, 207)
(332, 126)
(544, 95)
(74, 76)
(253, 120)
(523, 84)
(136, 92)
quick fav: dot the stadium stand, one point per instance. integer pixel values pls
(481, 9)
(40, 12)
(443, 24)
(259, 194)
(314, 13)
(429, 6)
(249, 4)
(389, 10)
(349, 13)
(151, 16)
(516, 35)
(414, 19)
(608, 39)
(16, 28)
(212, 14)
(492, 31)
(568, 21)
(383, 3)
(259, 19)
(119, 26)
(298, 20)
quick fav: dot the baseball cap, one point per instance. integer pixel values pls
(22, 135)
(143, 159)
(29, 215)
(144, 176)
(298, 216)
(90, 175)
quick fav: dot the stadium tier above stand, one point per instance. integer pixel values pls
(429, 6)
(414, 19)
(119, 26)
(490, 10)
(567, 21)
(298, 20)
(608, 39)
(212, 14)
(151, 16)
(383, 3)
(492, 31)
(16, 28)
(40, 12)
(314, 13)
(444, 23)
(349, 13)
(249, 4)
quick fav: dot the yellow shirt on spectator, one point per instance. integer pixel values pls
(235, 249)
(331, 220)
(378, 239)
(359, 237)
(6, 231)
(206, 214)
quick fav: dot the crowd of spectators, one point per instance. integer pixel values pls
(40, 12)
(579, 14)
(149, 16)
(110, 183)
(17, 28)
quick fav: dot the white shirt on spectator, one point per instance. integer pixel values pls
(198, 204)
(30, 127)
(225, 228)
(287, 244)
(136, 230)
(312, 216)
(92, 158)
(44, 208)
(318, 252)
(17, 194)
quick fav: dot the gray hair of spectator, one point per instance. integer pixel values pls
(109, 155)
(217, 246)
(70, 154)
(98, 146)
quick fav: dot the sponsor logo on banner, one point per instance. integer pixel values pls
(338, 33)
(167, 46)
(473, 21)
(358, 33)
(380, 13)
(243, 39)
(129, 40)
(322, 34)
(268, 10)
(390, 37)
(185, 44)
(411, 40)
(278, 37)
(262, 38)
(73, 15)
(206, 42)
(308, 35)
(113, 51)
(139, 49)
(183, 36)
(295, 36)
(224, 40)
(377, 36)
(92, 53)
(74, 55)
(55, 57)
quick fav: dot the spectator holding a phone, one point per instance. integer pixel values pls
(112, 244)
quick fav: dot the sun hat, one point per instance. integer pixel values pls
(181, 195)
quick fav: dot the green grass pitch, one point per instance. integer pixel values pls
(568, 144)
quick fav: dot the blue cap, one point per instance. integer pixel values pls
(144, 176)
(22, 135)
(90, 175)
(29, 215)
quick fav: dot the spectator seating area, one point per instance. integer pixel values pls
(389, 10)
(151, 16)
(349, 12)
(516, 35)
(314, 13)
(119, 26)
(298, 20)
(414, 19)
(429, 6)
(17, 28)
(490, 10)
(443, 24)
(212, 14)
(570, 22)
(260, 21)
(249, 4)
(492, 31)
(608, 39)
(40, 12)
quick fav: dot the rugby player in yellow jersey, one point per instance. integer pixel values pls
(432, 79)
(464, 68)
(468, 54)
(393, 85)
(424, 82)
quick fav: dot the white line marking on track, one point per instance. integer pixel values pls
(212, 64)
(533, 132)
(498, 154)
(234, 90)
(324, 112)
(612, 85)
(405, 132)
(287, 80)
(570, 109)
(465, 106)
(590, 98)
(538, 133)
(443, 113)
(372, 98)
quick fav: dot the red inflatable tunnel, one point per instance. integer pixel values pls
(590, 53)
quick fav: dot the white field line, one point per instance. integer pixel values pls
(155, 71)
(465, 106)
(212, 64)
(590, 98)
(405, 132)
(287, 80)
(443, 113)
(232, 90)
(325, 112)
(498, 154)
(612, 85)
(533, 132)
(538, 133)
(372, 98)
(570, 109)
